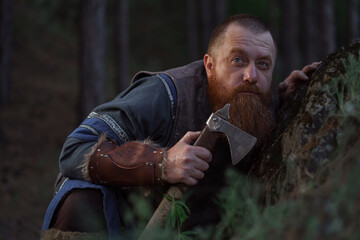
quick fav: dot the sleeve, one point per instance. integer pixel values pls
(146, 110)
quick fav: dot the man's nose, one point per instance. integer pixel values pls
(250, 73)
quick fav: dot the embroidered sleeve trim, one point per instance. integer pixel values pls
(170, 88)
(112, 124)
(91, 129)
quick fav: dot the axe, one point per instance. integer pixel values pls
(240, 144)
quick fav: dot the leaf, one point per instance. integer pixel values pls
(183, 205)
(172, 216)
(178, 214)
(168, 219)
(170, 198)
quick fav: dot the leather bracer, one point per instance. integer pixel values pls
(130, 164)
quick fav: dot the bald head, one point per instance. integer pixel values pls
(249, 22)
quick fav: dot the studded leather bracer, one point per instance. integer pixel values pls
(130, 164)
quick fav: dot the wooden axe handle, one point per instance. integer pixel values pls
(207, 140)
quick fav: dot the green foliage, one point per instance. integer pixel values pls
(341, 208)
(142, 210)
(244, 218)
(140, 213)
(178, 215)
(273, 220)
(240, 209)
(346, 88)
(329, 212)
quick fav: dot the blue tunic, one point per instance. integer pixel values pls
(154, 107)
(146, 110)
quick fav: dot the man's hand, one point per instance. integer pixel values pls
(186, 163)
(296, 77)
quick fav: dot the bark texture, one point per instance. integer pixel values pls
(313, 159)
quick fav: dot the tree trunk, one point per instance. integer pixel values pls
(308, 28)
(221, 9)
(6, 20)
(327, 27)
(122, 44)
(289, 37)
(274, 18)
(193, 37)
(206, 22)
(92, 55)
(353, 6)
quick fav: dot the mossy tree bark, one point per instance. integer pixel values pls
(313, 158)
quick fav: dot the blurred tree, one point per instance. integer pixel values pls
(6, 20)
(122, 44)
(289, 36)
(274, 11)
(309, 30)
(327, 27)
(206, 22)
(353, 7)
(274, 18)
(221, 9)
(193, 36)
(92, 55)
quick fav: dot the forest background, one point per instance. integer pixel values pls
(61, 58)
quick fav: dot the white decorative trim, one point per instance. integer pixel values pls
(112, 124)
(91, 129)
(62, 184)
(171, 97)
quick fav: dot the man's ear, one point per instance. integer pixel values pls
(209, 65)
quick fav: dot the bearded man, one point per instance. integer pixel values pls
(144, 136)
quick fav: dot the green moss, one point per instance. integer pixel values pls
(346, 88)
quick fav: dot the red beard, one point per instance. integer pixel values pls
(251, 113)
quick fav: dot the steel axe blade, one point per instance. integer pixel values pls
(240, 142)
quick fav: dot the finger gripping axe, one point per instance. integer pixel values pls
(240, 144)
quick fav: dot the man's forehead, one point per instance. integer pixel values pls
(237, 36)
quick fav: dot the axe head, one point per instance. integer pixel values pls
(240, 142)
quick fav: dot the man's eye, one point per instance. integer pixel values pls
(263, 65)
(238, 60)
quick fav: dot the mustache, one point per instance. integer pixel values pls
(247, 88)
(265, 98)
